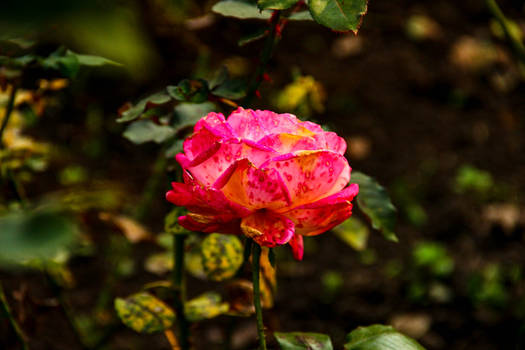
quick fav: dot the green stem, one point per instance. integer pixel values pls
(7, 115)
(180, 291)
(256, 257)
(266, 54)
(517, 45)
(7, 311)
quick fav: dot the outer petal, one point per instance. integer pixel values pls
(253, 188)
(332, 142)
(208, 166)
(193, 223)
(297, 245)
(267, 228)
(311, 175)
(209, 203)
(315, 218)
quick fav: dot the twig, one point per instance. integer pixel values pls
(517, 45)
(256, 251)
(7, 311)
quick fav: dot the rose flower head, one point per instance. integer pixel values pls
(268, 176)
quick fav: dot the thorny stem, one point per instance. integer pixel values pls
(180, 291)
(515, 42)
(266, 54)
(7, 115)
(7, 311)
(256, 257)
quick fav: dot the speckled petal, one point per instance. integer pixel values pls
(314, 218)
(287, 143)
(267, 228)
(253, 188)
(297, 245)
(332, 142)
(208, 166)
(311, 175)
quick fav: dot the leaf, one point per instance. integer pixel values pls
(339, 15)
(93, 61)
(131, 229)
(187, 90)
(142, 131)
(193, 257)
(233, 89)
(205, 306)
(261, 33)
(64, 61)
(244, 9)
(303, 341)
(379, 337)
(171, 222)
(275, 4)
(39, 234)
(189, 113)
(176, 147)
(144, 313)
(240, 9)
(136, 111)
(353, 232)
(374, 201)
(222, 256)
(159, 263)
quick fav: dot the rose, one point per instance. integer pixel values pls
(269, 176)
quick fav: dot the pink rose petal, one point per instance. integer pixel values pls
(267, 228)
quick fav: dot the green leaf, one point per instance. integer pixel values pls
(275, 4)
(64, 61)
(261, 33)
(233, 89)
(374, 201)
(379, 337)
(240, 9)
(142, 131)
(187, 90)
(176, 147)
(303, 341)
(339, 15)
(34, 235)
(143, 105)
(93, 61)
(301, 16)
(144, 313)
(193, 257)
(222, 256)
(171, 222)
(205, 306)
(353, 232)
(189, 113)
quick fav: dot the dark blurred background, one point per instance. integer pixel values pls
(431, 101)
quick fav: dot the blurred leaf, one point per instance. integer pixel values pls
(222, 256)
(159, 263)
(303, 341)
(130, 228)
(303, 95)
(353, 232)
(434, 256)
(176, 147)
(189, 113)
(240, 298)
(339, 15)
(193, 257)
(187, 90)
(144, 313)
(205, 306)
(64, 61)
(220, 76)
(141, 131)
(93, 61)
(233, 89)
(470, 178)
(379, 337)
(38, 234)
(136, 111)
(374, 201)
(171, 221)
(249, 38)
(275, 4)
